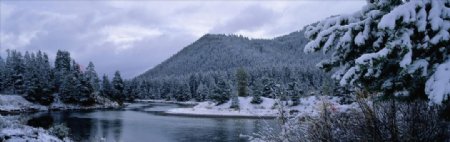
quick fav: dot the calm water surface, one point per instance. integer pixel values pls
(144, 122)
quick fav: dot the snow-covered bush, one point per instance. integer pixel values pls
(394, 47)
(389, 120)
(60, 130)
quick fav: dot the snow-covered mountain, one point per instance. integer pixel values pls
(218, 52)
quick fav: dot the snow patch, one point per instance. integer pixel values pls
(13, 103)
(309, 106)
(438, 86)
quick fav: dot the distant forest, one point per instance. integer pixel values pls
(207, 68)
(32, 75)
(214, 68)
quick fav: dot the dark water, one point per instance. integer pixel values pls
(144, 122)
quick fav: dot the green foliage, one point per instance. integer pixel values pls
(241, 77)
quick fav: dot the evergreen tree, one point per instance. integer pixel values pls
(202, 92)
(221, 92)
(396, 48)
(183, 93)
(106, 88)
(131, 90)
(2, 74)
(257, 92)
(143, 89)
(241, 77)
(45, 75)
(62, 68)
(15, 72)
(268, 88)
(193, 84)
(34, 85)
(69, 89)
(118, 88)
(87, 91)
(72, 89)
(92, 77)
(40, 89)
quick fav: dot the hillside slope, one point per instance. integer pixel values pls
(228, 52)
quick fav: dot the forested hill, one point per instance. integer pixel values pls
(218, 52)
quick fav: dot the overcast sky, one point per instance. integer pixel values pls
(135, 36)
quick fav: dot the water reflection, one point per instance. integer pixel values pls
(143, 122)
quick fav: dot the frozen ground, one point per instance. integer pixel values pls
(16, 103)
(309, 106)
(165, 101)
(12, 131)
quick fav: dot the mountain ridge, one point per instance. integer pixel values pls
(220, 52)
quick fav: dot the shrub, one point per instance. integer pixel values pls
(61, 131)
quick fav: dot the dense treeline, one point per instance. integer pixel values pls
(208, 69)
(219, 86)
(32, 76)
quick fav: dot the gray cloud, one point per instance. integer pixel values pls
(133, 36)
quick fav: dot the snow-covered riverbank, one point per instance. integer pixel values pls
(16, 103)
(309, 106)
(169, 102)
(11, 130)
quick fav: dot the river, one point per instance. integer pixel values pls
(145, 122)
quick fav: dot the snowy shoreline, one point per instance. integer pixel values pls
(168, 102)
(218, 116)
(18, 104)
(12, 130)
(309, 106)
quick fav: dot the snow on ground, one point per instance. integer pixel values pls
(12, 131)
(246, 109)
(59, 105)
(170, 102)
(16, 103)
(309, 106)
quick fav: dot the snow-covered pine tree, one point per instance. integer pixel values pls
(118, 88)
(68, 88)
(202, 92)
(15, 70)
(268, 87)
(2, 74)
(143, 90)
(72, 89)
(106, 88)
(395, 47)
(131, 89)
(29, 71)
(62, 68)
(87, 91)
(257, 91)
(183, 92)
(33, 86)
(221, 92)
(44, 75)
(241, 77)
(92, 77)
(194, 81)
